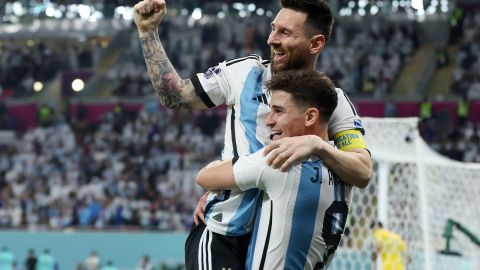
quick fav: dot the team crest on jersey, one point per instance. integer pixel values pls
(211, 71)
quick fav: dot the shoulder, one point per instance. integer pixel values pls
(252, 60)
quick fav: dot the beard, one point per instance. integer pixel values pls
(296, 59)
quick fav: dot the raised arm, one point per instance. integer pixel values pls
(173, 91)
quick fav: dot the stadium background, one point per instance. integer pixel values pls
(90, 161)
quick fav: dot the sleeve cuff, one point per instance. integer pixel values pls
(201, 92)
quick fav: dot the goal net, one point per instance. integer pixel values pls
(414, 192)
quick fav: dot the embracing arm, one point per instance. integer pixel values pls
(353, 166)
(173, 92)
(217, 175)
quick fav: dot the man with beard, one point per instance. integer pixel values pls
(298, 35)
(305, 209)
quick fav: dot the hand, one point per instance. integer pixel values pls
(148, 14)
(290, 150)
(200, 211)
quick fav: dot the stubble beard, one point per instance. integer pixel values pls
(295, 61)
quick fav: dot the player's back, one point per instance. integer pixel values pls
(302, 218)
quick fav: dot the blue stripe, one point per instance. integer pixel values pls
(253, 240)
(238, 225)
(304, 217)
(209, 211)
(249, 108)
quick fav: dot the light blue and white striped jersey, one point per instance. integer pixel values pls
(303, 215)
(240, 84)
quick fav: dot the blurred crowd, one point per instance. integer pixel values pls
(22, 63)
(466, 75)
(454, 137)
(461, 143)
(363, 56)
(131, 169)
(46, 261)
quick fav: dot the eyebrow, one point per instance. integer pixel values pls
(272, 24)
(278, 107)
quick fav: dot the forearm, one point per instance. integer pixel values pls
(217, 175)
(166, 82)
(353, 167)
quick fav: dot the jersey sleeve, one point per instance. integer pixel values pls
(345, 127)
(248, 171)
(213, 86)
(344, 117)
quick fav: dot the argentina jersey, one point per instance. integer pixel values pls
(240, 84)
(303, 216)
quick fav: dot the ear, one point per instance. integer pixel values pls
(312, 116)
(316, 43)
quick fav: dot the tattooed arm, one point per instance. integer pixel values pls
(174, 92)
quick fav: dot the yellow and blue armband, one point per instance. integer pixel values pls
(349, 139)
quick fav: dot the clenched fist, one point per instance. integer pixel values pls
(148, 14)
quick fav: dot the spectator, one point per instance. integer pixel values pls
(144, 263)
(109, 266)
(6, 259)
(425, 109)
(31, 261)
(46, 261)
(462, 111)
(92, 262)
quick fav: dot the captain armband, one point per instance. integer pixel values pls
(349, 139)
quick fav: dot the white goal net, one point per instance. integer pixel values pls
(413, 192)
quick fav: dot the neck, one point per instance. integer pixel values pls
(319, 130)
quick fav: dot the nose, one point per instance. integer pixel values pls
(270, 120)
(273, 38)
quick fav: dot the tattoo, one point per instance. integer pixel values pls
(165, 79)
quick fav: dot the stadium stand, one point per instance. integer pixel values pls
(111, 158)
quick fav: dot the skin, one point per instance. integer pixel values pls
(174, 92)
(293, 45)
(285, 119)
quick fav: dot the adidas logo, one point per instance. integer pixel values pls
(261, 98)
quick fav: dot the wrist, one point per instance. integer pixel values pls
(319, 144)
(147, 31)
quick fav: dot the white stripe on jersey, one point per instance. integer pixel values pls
(209, 248)
(302, 218)
(240, 83)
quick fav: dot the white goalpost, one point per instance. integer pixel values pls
(424, 197)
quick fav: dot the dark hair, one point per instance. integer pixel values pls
(319, 15)
(308, 88)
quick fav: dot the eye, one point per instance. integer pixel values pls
(286, 33)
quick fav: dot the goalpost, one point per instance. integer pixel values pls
(415, 193)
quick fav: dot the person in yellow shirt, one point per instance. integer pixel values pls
(389, 246)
